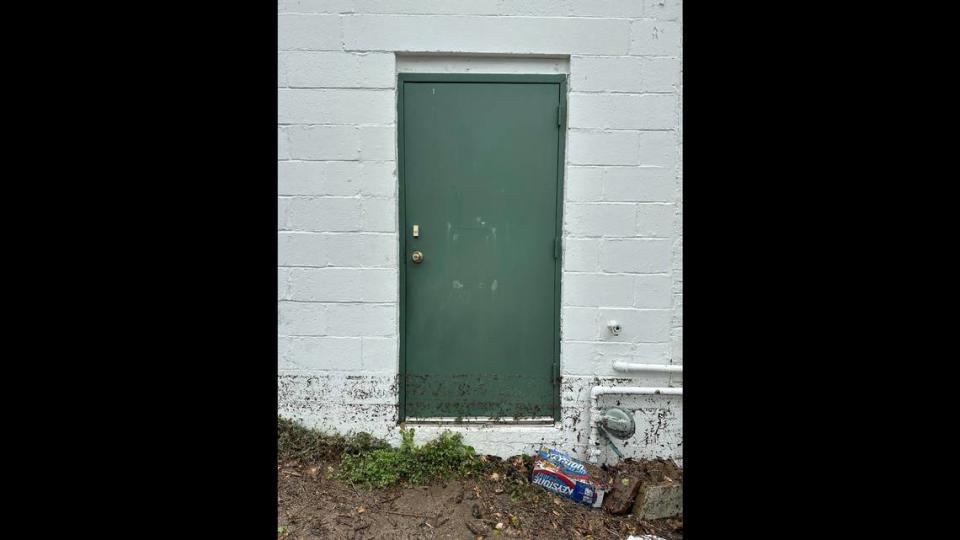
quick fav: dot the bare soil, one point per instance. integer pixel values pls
(313, 504)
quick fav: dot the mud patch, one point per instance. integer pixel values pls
(312, 503)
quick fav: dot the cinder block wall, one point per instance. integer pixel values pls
(337, 205)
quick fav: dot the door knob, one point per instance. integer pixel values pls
(417, 257)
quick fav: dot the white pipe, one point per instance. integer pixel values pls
(620, 365)
(593, 445)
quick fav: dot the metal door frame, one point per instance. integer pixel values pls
(560, 79)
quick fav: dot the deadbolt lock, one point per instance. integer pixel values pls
(417, 257)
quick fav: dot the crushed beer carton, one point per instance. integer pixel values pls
(566, 476)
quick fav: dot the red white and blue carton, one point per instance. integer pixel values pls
(565, 476)
(569, 466)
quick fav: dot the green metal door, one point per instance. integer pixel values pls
(480, 163)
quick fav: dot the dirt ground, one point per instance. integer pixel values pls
(312, 504)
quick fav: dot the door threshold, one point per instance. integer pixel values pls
(474, 420)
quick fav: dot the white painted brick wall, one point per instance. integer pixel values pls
(337, 278)
(508, 35)
(646, 256)
(623, 111)
(633, 74)
(334, 106)
(313, 32)
(354, 249)
(315, 69)
(336, 178)
(603, 147)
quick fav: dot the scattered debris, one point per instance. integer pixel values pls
(624, 493)
(478, 528)
(445, 508)
(566, 476)
(659, 501)
(651, 489)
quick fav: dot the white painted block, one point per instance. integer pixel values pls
(380, 354)
(378, 179)
(311, 32)
(602, 219)
(606, 74)
(583, 184)
(653, 292)
(283, 145)
(282, 283)
(606, 8)
(658, 149)
(340, 178)
(578, 323)
(282, 79)
(319, 353)
(660, 75)
(515, 35)
(581, 254)
(642, 256)
(678, 255)
(323, 142)
(323, 214)
(329, 69)
(439, 7)
(337, 319)
(343, 285)
(361, 320)
(603, 147)
(664, 10)
(548, 8)
(615, 290)
(282, 208)
(655, 38)
(335, 106)
(378, 143)
(315, 6)
(623, 111)
(655, 220)
(337, 178)
(342, 250)
(676, 345)
(379, 215)
(641, 184)
(301, 319)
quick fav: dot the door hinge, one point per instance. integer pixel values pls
(556, 248)
(559, 115)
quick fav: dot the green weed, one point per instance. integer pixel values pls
(442, 458)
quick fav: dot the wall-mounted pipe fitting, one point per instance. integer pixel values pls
(593, 446)
(615, 327)
(620, 365)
